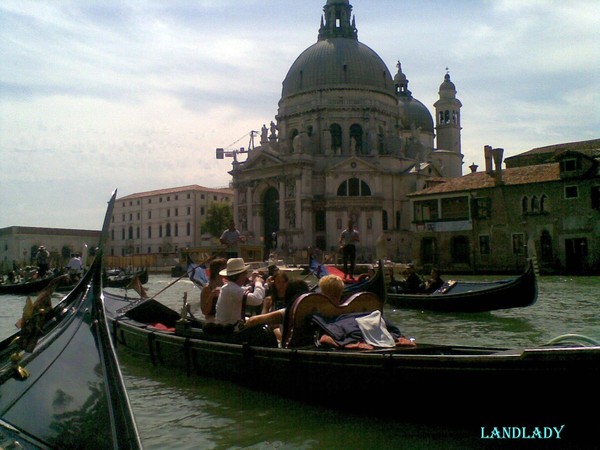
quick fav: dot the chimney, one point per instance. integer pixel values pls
(487, 152)
(498, 154)
(473, 167)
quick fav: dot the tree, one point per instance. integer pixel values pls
(218, 217)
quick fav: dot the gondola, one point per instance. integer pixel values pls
(423, 382)
(125, 280)
(27, 287)
(60, 383)
(473, 297)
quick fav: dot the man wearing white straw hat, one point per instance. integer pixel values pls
(234, 295)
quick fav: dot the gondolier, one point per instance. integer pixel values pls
(43, 260)
(231, 238)
(348, 240)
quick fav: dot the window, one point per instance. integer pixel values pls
(518, 243)
(535, 205)
(425, 210)
(384, 219)
(168, 230)
(149, 232)
(524, 205)
(356, 138)
(353, 187)
(481, 208)
(455, 208)
(176, 230)
(459, 248)
(320, 220)
(570, 164)
(484, 244)
(571, 192)
(336, 138)
(188, 229)
(149, 214)
(596, 197)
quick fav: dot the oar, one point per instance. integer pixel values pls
(185, 274)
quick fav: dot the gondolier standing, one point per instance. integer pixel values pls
(348, 240)
(231, 238)
(43, 261)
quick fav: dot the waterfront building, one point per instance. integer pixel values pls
(349, 141)
(162, 221)
(19, 245)
(544, 204)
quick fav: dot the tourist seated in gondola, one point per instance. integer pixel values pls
(412, 284)
(210, 293)
(434, 282)
(370, 273)
(277, 284)
(332, 286)
(275, 318)
(234, 296)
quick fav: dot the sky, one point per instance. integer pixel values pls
(136, 95)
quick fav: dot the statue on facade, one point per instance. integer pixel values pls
(274, 129)
(263, 135)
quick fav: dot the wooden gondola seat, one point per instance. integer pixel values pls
(297, 331)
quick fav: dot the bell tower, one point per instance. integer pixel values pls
(447, 125)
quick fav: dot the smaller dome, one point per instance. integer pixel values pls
(412, 111)
(447, 85)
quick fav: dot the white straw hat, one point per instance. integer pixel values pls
(234, 266)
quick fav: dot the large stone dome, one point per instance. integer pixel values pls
(338, 63)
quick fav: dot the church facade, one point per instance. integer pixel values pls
(349, 142)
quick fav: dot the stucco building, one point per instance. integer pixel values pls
(161, 221)
(19, 245)
(544, 204)
(349, 142)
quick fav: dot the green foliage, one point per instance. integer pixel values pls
(218, 217)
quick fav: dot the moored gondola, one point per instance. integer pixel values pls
(60, 383)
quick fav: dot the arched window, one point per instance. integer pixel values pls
(336, 138)
(168, 230)
(176, 229)
(524, 205)
(356, 138)
(160, 231)
(353, 187)
(535, 204)
(149, 232)
(384, 219)
(188, 229)
(293, 134)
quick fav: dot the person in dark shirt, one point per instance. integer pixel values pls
(434, 282)
(413, 283)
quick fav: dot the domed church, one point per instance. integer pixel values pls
(349, 142)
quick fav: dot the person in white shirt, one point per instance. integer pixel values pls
(75, 265)
(231, 302)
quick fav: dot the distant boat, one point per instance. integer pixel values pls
(473, 296)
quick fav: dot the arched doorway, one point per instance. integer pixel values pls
(270, 218)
